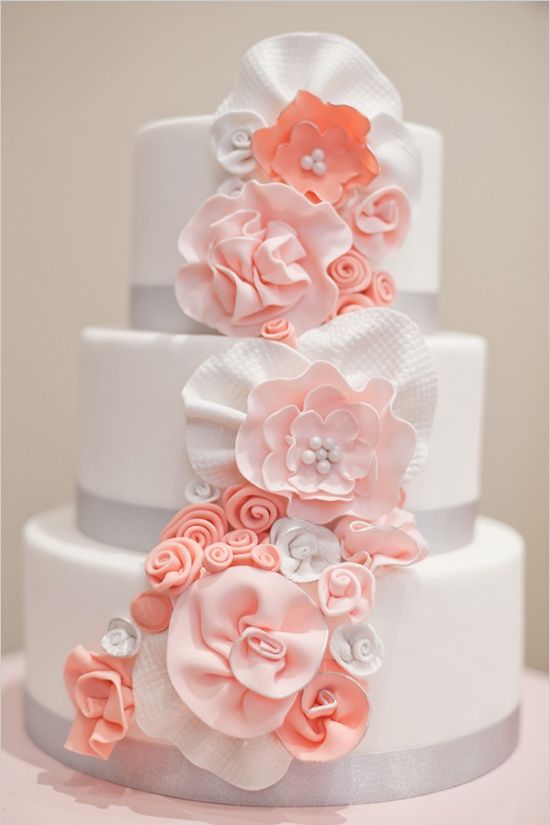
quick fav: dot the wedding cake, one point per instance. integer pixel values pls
(274, 587)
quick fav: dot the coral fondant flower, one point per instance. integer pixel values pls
(173, 565)
(379, 221)
(218, 557)
(100, 688)
(248, 507)
(240, 645)
(258, 256)
(358, 649)
(151, 611)
(391, 541)
(203, 523)
(328, 448)
(346, 589)
(279, 330)
(382, 289)
(266, 557)
(327, 720)
(351, 272)
(318, 148)
(306, 549)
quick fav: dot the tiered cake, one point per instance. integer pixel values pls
(277, 590)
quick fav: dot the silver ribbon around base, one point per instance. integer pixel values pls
(155, 308)
(138, 527)
(353, 780)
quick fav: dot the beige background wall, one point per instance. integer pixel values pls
(79, 78)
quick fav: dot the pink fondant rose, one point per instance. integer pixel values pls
(382, 289)
(258, 256)
(203, 523)
(346, 589)
(328, 448)
(100, 688)
(318, 148)
(391, 541)
(248, 507)
(351, 272)
(173, 565)
(327, 720)
(379, 221)
(279, 330)
(241, 644)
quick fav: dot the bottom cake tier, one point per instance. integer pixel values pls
(444, 705)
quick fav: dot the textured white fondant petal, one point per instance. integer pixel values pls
(216, 398)
(384, 343)
(397, 154)
(329, 66)
(250, 764)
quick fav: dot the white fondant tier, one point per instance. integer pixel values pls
(452, 628)
(132, 448)
(176, 171)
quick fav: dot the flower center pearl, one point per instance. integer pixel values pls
(323, 452)
(315, 162)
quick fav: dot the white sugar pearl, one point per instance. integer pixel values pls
(307, 163)
(308, 457)
(324, 467)
(315, 442)
(328, 443)
(335, 455)
(318, 154)
(321, 454)
(319, 168)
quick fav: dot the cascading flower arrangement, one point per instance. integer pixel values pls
(251, 644)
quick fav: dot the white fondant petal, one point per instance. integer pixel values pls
(382, 343)
(306, 549)
(216, 399)
(327, 65)
(397, 154)
(250, 764)
(358, 649)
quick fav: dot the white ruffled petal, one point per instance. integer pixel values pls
(306, 549)
(397, 154)
(250, 764)
(329, 66)
(231, 136)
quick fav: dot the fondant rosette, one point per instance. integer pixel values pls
(313, 112)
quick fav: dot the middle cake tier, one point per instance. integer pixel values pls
(133, 470)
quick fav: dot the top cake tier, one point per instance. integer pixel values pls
(311, 151)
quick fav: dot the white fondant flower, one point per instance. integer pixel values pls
(201, 492)
(357, 648)
(361, 345)
(231, 186)
(122, 639)
(331, 67)
(306, 548)
(231, 134)
(251, 764)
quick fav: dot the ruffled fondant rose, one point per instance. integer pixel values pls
(327, 720)
(279, 330)
(351, 272)
(306, 549)
(232, 138)
(250, 508)
(317, 148)
(173, 565)
(358, 649)
(100, 688)
(203, 523)
(379, 221)
(328, 448)
(241, 644)
(391, 541)
(346, 589)
(258, 256)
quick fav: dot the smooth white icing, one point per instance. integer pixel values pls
(176, 170)
(452, 627)
(132, 426)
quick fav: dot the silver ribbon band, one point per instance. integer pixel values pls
(354, 779)
(155, 308)
(138, 527)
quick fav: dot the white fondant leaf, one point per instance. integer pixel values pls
(251, 764)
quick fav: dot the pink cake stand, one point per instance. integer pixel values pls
(40, 791)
